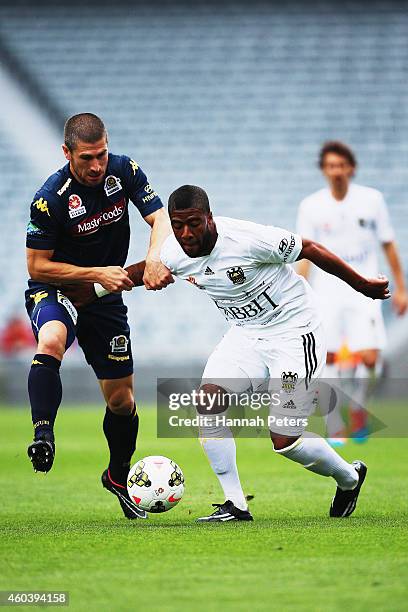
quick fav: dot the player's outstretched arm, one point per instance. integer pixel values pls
(375, 288)
(42, 268)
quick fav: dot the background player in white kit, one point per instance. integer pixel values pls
(352, 221)
(275, 330)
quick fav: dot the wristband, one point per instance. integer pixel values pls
(100, 291)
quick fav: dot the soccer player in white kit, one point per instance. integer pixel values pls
(275, 329)
(352, 221)
(275, 334)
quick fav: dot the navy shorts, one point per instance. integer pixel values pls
(101, 328)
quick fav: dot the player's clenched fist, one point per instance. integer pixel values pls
(156, 275)
(375, 288)
(115, 279)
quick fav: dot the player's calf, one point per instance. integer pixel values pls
(314, 454)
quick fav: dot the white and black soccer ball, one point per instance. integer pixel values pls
(155, 483)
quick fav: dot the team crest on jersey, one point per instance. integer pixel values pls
(75, 206)
(112, 185)
(236, 275)
(119, 344)
(367, 223)
(289, 380)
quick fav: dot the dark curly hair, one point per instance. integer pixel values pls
(339, 148)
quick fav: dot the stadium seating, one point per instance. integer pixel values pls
(18, 181)
(236, 98)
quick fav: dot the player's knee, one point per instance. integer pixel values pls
(212, 399)
(121, 401)
(52, 339)
(280, 442)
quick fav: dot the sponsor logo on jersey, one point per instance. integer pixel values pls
(236, 275)
(64, 187)
(283, 245)
(289, 380)
(208, 271)
(255, 308)
(112, 185)
(33, 230)
(106, 217)
(75, 206)
(37, 297)
(117, 358)
(134, 166)
(119, 344)
(289, 248)
(42, 205)
(290, 405)
(152, 194)
(68, 305)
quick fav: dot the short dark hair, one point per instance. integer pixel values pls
(189, 196)
(339, 148)
(86, 127)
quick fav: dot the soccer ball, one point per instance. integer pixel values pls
(155, 484)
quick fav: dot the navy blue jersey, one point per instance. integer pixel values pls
(89, 226)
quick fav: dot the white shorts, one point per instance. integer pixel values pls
(289, 365)
(358, 322)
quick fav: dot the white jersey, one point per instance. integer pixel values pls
(351, 228)
(247, 277)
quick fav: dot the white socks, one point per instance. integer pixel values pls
(317, 456)
(219, 446)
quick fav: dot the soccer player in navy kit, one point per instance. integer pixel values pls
(79, 231)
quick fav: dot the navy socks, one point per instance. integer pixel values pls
(45, 391)
(121, 433)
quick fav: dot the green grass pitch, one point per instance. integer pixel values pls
(63, 531)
